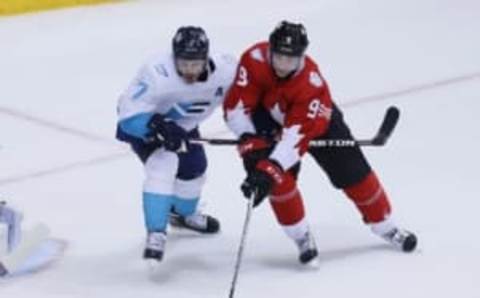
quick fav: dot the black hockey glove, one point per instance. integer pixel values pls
(258, 183)
(253, 148)
(262, 179)
(167, 133)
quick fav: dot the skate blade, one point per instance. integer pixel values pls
(153, 266)
(313, 264)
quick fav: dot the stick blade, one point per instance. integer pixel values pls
(388, 125)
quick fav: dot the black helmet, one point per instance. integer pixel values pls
(190, 43)
(289, 39)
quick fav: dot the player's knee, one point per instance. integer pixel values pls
(160, 171)
(159, 182)
(189, 188)
(285, 190)
(287, 202)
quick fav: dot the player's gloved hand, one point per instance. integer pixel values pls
(253, 148)
(167, 133)
(262, 179)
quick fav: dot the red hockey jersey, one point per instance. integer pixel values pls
(302, 104)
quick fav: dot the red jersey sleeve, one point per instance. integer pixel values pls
(244, 94)
(307, 117)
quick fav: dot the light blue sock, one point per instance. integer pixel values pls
(185, 207)
(156, 208)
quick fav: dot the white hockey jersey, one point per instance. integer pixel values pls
(158, 88)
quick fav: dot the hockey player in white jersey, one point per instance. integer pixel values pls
(158, 113)
(12, 219)
(25, 251)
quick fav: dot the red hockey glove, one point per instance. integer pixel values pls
(253, 148)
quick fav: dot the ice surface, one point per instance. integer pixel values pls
(62, 71)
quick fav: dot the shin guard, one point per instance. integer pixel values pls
(370, 199)
(287, 203)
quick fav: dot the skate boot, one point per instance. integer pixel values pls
(401, 239)
(308, 249)
(155, 246)
(197, 222)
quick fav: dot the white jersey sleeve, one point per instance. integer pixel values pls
(159, 89)
(139, 97)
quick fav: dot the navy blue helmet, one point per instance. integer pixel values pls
(190, 42)
(289, 39)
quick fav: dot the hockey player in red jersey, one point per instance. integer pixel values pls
(279, 102)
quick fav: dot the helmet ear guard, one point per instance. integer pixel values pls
(289, 39)
(190, 43)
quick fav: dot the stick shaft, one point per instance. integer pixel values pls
(241, 247)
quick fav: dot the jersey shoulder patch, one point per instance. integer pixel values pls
(315, 79)
(257, 55)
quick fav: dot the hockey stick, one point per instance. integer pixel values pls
(241, 247)
(386, 128)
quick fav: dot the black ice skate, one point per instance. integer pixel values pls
(155, 246)
(401, 239)
(197, 222)
(308, 249)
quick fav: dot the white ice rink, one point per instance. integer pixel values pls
(61, 73)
